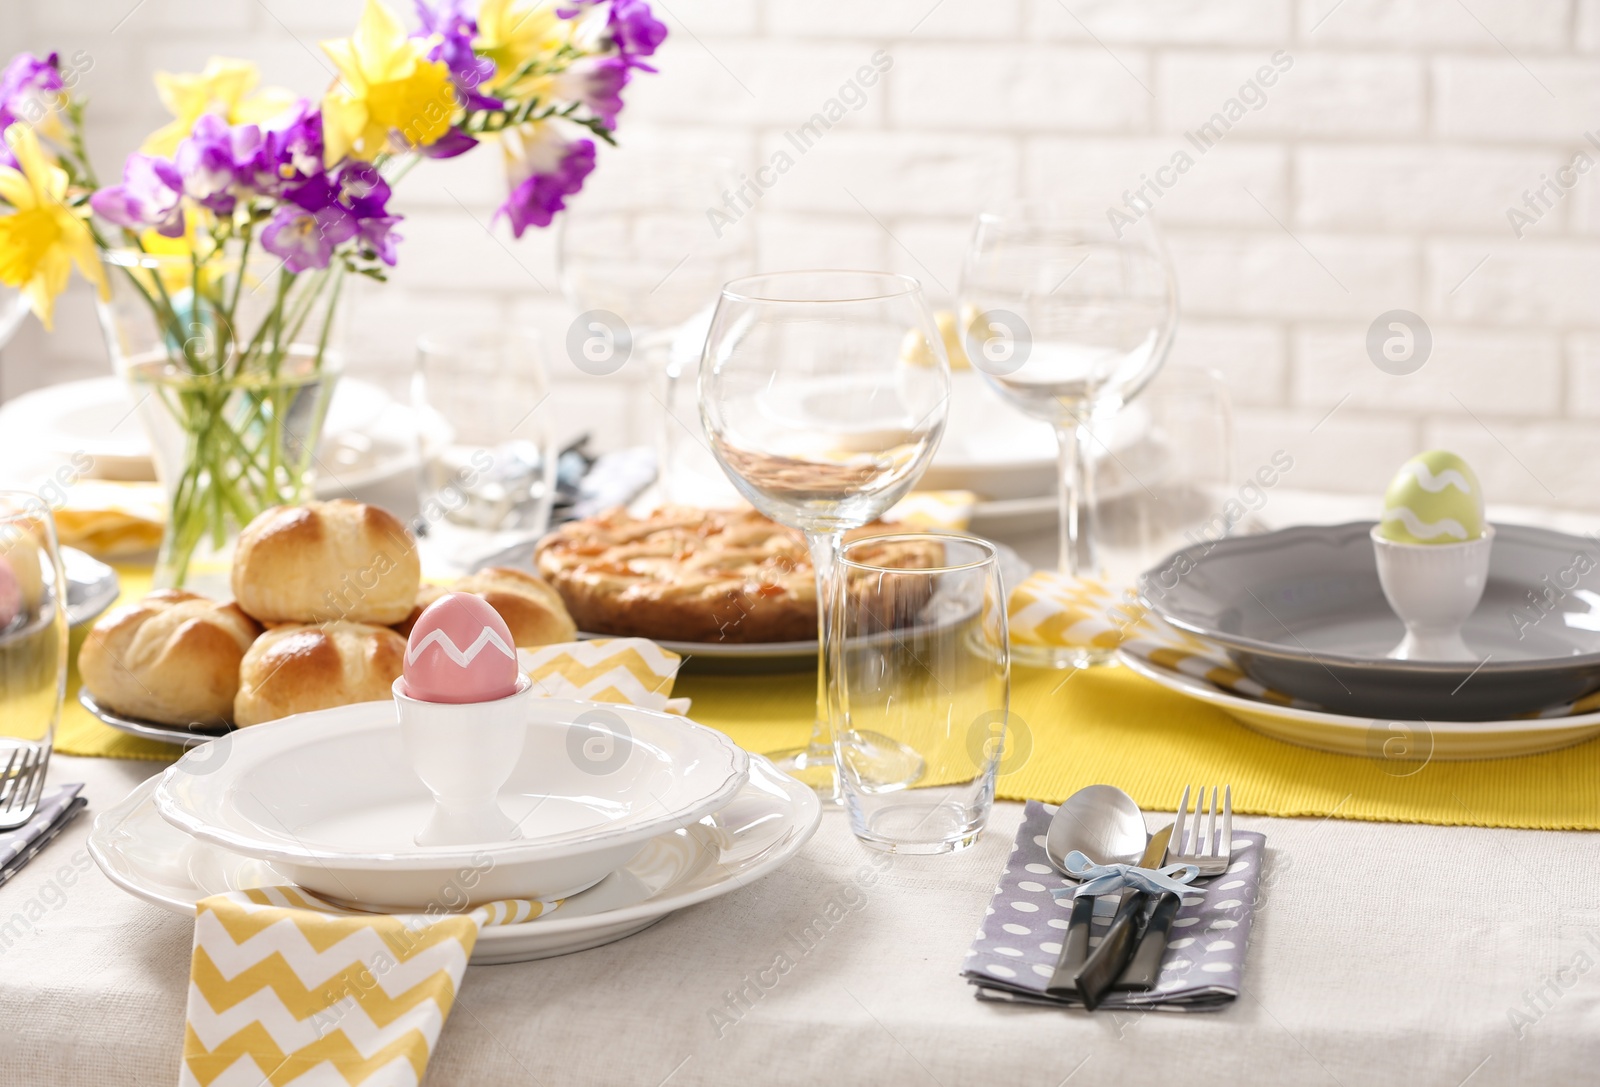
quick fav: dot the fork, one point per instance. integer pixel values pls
(1207, 852)
(21, 783)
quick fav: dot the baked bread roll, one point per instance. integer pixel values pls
(325, 561)
(172, 658)
(427, 593)
(296, 669)
(531, 608)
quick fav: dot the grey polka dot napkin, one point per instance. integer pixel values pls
(1015, 951)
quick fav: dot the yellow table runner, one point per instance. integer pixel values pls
(1109, 725)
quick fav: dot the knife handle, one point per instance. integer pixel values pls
(1074, 948)
(1145, 969)
(1105, 966)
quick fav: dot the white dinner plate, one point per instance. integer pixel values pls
(367, 436)
(330, 798)
(1444, 740)
(763, 826)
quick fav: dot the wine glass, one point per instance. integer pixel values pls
(642, 245)
(1068, 318)
(823, 395)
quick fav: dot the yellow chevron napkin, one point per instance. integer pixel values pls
(283, 986)
(950, 511)
(632, 670)
(1054, 609)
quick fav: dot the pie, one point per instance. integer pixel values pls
(696, 575)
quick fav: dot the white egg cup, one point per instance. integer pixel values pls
(464, 752)
(1433, 588)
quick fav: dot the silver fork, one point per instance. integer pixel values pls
(1189, 845)
(1204, 850)
(21, 784)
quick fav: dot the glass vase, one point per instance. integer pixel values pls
(231, 382)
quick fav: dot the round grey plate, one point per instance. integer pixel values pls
(191, 736)
(1301, 611)
(92, 586)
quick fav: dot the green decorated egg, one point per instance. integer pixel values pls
(1434, 498)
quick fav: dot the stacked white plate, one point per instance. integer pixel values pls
(623, 822)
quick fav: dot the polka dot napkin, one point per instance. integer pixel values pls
(1015, 951)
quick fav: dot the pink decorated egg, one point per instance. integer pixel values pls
(460, 651)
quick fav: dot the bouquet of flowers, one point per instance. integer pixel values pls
(220, 255)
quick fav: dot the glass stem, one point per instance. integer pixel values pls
(1075, 495)
(825, 548)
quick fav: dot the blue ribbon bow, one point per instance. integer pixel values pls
(1100, 879)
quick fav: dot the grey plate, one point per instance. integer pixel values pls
(1301, 611)
(180, 735)
(92, 586)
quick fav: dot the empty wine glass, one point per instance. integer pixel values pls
(823, 395)
(1068, 318)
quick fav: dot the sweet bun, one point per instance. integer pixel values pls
(325, 561)
(529, 605)
(172, 657)
(427, 593)
(296, 669)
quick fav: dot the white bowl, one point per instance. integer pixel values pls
(331, 800)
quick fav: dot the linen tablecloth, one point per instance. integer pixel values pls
(1382, 953)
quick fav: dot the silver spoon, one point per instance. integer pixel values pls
(1104, 824)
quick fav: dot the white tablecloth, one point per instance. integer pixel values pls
(1382, 954)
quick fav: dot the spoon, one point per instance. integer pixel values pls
(1104, 824)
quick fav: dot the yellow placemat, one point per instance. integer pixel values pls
(1110, 725)
(80, 734)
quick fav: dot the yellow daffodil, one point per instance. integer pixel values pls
(388, 95)
(43, 238)
(512, 31)
(227, 87)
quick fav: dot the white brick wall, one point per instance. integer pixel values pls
(1377, 175)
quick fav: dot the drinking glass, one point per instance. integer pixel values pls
(485, 447)
(33, 635)
(647, 249)
(924, 664)
(822, 419)
(1069, 318)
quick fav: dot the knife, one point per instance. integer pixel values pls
(1109, 960)
(1075, 948)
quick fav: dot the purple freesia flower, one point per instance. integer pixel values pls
(448, 146)
(456, 30)
(29, 89)
(295, 150)
(535, 200)
(378, 235)
(148, 198)
(306, 239)
(636, 30)
(362, 189)
(215, 159)
(597, 82)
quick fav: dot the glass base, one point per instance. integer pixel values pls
(916, 828)
(891, 762)
(1061, 657)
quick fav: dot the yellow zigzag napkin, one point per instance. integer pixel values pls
(283, 985)
(632, 670)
